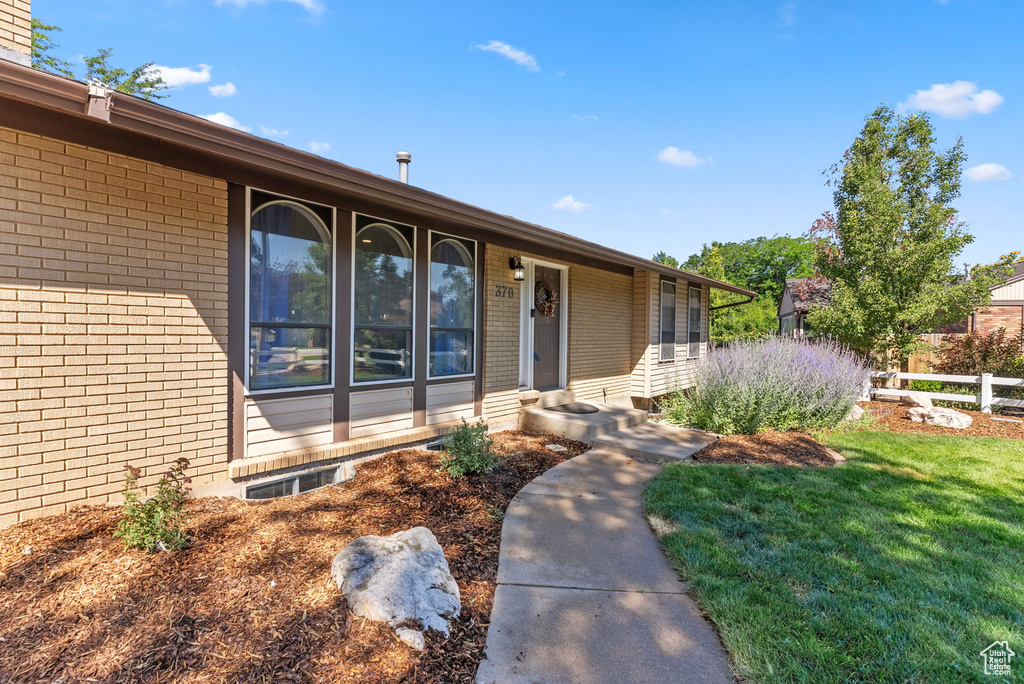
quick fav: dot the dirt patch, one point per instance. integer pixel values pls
(253, 600)
(891, 416)
(768, 448)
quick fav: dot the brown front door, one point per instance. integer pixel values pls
(546, 329)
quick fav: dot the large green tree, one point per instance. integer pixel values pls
(141, 80)
(889, 248)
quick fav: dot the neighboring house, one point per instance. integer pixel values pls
(171, 287)
(799, 295)
(1005, 311)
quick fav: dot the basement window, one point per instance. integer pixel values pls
(298, 484)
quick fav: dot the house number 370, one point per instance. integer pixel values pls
(505, 291)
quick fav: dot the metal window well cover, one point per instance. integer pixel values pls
(574, 407)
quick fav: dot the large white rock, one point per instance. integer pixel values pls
(917, 399)
(855, 413)
(944, 417)
(399, 579)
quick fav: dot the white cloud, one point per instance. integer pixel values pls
(320, 148)
(677, 157)
(311, 6)
(226, 120)
(223, 90)
(175, 77)
(570, 203)
(988, 172)
(665, 211)
(957, 99)
(518, 56)
(585, 117)
(787, 12)
(266, 130)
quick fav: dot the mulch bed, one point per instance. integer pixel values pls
(253, 600)
(891, 416)
(767, 448)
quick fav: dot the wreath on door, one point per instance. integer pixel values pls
(545, 299)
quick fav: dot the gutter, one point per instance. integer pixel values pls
(749, 299)
(154, 120)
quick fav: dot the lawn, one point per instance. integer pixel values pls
(899, 566)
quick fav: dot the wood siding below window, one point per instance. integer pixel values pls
(379, 411)
(279, 425)
(449, 401)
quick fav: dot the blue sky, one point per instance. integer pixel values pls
(642, 126)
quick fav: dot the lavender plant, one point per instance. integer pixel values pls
(777, 383)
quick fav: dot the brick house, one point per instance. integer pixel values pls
(172, 287)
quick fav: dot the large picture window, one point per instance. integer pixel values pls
(667, 323)
(290, 272)
(383, 299)
(452, 305)
(694, 319)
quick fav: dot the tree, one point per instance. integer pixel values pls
(888, 250)
(142, 80)
(663, 258)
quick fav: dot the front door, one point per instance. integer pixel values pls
(547, 327)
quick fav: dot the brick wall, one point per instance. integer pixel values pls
(16, 26)
(994, 317)
(600, 334)
(113, 330)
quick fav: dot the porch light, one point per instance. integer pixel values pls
(518, 271)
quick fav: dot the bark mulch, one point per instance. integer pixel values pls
(891, 416)
(252, 600)
(767, 448)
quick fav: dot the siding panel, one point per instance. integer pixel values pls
(275, 426)
(448, 402)
(379, 411)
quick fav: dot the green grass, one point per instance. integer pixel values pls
(899, 566)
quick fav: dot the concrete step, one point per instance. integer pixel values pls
(583, 427)
(654, 442)
(555, 398)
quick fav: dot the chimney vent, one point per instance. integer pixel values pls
(403, 166)
(16, 31)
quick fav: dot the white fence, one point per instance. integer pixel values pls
(985, 399)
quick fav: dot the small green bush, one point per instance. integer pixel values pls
(926, 386)
(468, 450)
(156, 523)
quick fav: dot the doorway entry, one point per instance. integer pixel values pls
(543, 327)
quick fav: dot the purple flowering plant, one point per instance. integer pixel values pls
(158, 522)
(775, 383)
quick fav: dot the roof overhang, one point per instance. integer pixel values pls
(171, 127)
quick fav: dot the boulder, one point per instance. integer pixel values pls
(943, 417)
(403, 580)
(855, 413)
(917, 399)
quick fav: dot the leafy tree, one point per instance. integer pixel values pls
(663, 258)
(889, 249)
(141, 80)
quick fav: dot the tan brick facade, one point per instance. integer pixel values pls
(113, 331)
(16, 26)
(599, 330)
(992, 318)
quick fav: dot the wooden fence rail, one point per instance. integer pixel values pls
(985, 399)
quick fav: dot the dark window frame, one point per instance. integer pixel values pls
(471, 248)
(663, 344)
(694, 337)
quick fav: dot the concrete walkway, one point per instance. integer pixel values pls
(585, 594)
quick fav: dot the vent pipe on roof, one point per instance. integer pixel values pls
(403, 166)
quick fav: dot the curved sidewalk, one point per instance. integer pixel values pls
(585, 594)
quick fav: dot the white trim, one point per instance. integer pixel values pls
(477, 292)
(352, 299)
(526, 324)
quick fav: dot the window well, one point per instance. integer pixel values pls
(298, 484)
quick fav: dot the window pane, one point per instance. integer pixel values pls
(382, 354)
(311, 481)
(451, 285)
(383, 276)
(694, 322)
(287, 357)
(451, 352)
(270, 491)
(290, 266)
(667, 322)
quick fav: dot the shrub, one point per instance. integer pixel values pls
(156, 523)
(468, 450)
(975, 353)
(926, 386)
(777, 383)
